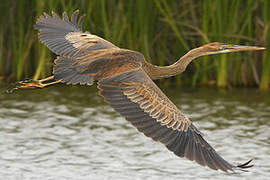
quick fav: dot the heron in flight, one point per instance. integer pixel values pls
(125, 80)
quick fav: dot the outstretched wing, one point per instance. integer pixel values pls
(65, 37)
(136, 97)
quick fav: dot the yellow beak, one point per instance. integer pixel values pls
(236, 48)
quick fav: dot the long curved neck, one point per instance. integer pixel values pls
(158, 72)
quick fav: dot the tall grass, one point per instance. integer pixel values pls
(265, 80)
(162, 30)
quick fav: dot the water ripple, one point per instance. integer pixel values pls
(70, 133)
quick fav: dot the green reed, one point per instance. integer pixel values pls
(162, 30)
(265, 77)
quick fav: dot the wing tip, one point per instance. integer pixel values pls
(44, 18)
(246, 165)
(202, 153)
(241, 167)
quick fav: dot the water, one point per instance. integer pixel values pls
(66, 132)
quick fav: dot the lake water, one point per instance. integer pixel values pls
(66, 132)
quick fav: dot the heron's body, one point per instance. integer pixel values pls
(125, 81)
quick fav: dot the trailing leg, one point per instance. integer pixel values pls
(32, 84)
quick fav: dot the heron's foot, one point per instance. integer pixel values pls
(26, 84)
(33, 84)
(30, 84)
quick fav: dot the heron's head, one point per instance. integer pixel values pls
(216, 48)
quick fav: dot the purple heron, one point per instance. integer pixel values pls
(124, 79)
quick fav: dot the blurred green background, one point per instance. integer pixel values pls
(163, 30)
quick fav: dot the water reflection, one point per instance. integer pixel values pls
(70, 133)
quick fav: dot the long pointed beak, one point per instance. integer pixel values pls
(236, 48)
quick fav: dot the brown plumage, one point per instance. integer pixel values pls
(125, 81)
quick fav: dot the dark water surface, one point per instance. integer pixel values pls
(66, 132)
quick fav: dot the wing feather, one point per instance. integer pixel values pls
(66, 38)
(157, 117)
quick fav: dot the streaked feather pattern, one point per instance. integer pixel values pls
(134, 95)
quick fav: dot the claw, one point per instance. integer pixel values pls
(9, 91)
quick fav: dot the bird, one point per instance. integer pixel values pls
(125, 80)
